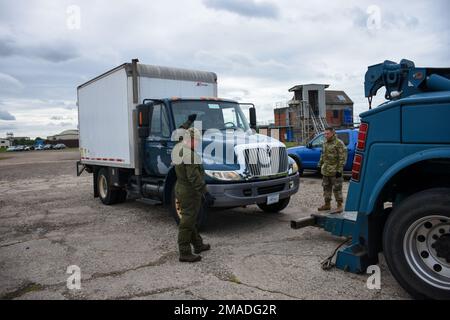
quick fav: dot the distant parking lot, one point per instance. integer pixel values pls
(49, 220)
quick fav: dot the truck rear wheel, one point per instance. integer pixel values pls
(416, 244)
(106, 192)
(175, 211)
(275, 207)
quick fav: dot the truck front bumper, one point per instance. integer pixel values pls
(247, 193)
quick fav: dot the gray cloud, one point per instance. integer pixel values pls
(5, 115)
(9, 84)
(247, 8)
(55, 52)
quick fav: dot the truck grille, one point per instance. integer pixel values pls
(266, 161)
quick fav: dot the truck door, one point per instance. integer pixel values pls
(158, 146)
(312, 154)
(350, 145)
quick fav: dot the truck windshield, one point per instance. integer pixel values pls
(213, 114)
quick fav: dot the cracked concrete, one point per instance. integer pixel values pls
(49, 221)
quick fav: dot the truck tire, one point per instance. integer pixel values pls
(416, 244)
(106, 192)
(275, 207)
(176, 214)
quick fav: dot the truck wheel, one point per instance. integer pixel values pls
(107, 194)
(416, 244)
(175, 211)
(275, 207)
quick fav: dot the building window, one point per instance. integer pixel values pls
(335, 114)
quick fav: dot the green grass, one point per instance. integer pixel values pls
(2, 150)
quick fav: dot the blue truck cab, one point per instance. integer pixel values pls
(398, 201)
(241, 166)
(308, 156)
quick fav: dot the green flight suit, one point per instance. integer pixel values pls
(332, 161)
(189, 189)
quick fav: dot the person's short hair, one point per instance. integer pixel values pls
(329, 129)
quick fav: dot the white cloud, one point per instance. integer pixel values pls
(247, 8)
(259, 49)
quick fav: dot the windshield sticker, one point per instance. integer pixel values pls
(213, 106)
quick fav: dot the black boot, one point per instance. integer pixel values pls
(189, 257)
(202, 247)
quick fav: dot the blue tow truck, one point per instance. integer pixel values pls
(308, 156)
(398, 201)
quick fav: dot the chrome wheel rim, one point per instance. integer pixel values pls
(426, 246)
(102, 186)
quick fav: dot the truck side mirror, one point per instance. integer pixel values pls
(143, 119)
(252, 116)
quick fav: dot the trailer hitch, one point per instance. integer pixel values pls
(332, 222)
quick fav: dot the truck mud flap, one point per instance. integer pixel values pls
(82, 166)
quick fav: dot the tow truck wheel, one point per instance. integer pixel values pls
(275, 207)
(416, 244)
(107, 194)
(175, 211)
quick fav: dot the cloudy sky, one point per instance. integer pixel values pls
(259, 49)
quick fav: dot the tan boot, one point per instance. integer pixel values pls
(325, 207)
(339, 208)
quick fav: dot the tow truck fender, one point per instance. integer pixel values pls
(434, 153)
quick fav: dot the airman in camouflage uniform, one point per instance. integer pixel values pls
(331, 164)
(190, 188)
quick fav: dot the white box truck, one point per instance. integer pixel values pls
(126, 119)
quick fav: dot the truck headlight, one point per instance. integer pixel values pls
(293, 168)
(223, 175)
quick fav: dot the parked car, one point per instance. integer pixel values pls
(26, 148)
(59, 146)
(11, 149)
(20, 148)
(48, 147)
(308, 156)
(39, 147)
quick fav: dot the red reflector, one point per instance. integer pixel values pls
(362, 136)
(356, 169)
(140, 119)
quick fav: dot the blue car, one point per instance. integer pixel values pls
(307, 157)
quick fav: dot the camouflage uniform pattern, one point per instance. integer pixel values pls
(332, 161)
(189, 188)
